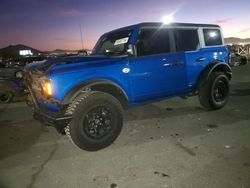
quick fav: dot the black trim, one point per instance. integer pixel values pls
(210, 68)
(228, 69)
(83, 86)
(57, 120)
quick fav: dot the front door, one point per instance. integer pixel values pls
(156, 72)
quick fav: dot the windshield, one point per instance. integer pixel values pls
(113, 43)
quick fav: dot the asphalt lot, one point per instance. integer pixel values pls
(171, 144)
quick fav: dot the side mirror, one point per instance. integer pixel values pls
(130, 50)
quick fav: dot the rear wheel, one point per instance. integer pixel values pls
(96, 120)
(214, 93)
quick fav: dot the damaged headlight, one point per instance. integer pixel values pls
(46, 86)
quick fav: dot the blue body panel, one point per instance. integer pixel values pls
(149, 77)
(208, 55)
(153, 77)
(66, 77)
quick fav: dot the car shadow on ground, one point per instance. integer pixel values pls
(240, 92)
(154, 111)
(240, 89)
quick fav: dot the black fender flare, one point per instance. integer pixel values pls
(215, 66)
(97, 85)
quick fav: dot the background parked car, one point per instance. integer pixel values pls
(21, 62)
(10, 88)
(11, 73)
(11, 83)
(237, 59)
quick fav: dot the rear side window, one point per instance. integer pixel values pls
(186, 39)
(212, 37)
(153, 41)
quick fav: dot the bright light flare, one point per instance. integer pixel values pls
(167, 19)
(212, 34)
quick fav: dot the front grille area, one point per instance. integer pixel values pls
(41, 101)
(32, 83)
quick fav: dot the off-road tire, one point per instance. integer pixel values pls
(207, 91)
(6, 97)
(80, 107)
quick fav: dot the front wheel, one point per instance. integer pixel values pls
(96, 120)
(214, 93)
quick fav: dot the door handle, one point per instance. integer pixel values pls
(173, 64)
(167, 64)
(177, 63)
(201, 59)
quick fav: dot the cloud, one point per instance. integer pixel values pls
(245, 30)
(223, 21)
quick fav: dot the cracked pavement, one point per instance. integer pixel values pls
(41, 167)
(173, 144)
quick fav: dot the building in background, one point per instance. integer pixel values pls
(25, 53)
(18, 51)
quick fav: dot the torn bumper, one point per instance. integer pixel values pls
(56, 120)
(43, 114)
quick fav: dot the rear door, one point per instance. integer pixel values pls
(210, 49)
(188, 44)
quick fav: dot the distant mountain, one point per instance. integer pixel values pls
(60, 50)
(233, 40)
(63, 51)
(12, 51)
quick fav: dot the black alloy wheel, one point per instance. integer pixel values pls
(98, 122)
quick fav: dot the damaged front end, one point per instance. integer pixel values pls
(46, 109)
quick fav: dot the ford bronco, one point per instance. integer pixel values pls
(84, 97)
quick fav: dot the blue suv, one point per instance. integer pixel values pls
(84, 97)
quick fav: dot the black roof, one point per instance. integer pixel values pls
(177, 24)
(159, 24)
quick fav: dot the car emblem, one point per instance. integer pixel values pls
(125, 70)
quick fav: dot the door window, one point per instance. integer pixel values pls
(153, 41)
(186, 39)
(212, 37)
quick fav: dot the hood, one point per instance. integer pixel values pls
(45, 65)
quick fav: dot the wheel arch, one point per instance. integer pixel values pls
(102, 85)
(213, 67)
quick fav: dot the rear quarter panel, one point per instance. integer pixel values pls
(195, 68)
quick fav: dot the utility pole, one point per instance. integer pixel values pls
(81, 35)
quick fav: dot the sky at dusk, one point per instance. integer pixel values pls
(53, 24)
